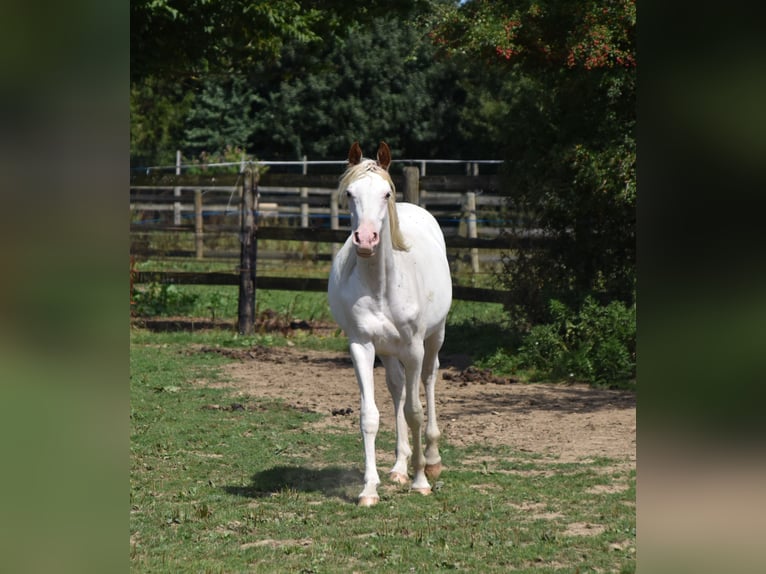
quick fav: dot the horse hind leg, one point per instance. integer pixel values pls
(429, 377)
(395, 383)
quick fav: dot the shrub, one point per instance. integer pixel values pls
(597, 344)
(162, 299)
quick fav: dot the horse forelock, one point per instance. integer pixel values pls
(362, 168)
(354, 172)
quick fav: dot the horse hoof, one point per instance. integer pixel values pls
(368, 500)
(423, 491)
(433, 471)
(399, 478)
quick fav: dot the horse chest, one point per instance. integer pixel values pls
(387, 326)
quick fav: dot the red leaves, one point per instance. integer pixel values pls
(570, 34)
(504, 52)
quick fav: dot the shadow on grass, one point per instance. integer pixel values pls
(332, 482)
(559, 398)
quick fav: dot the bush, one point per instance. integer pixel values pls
(162, 299)
(597, 344)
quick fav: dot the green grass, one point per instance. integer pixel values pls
(256, 489)
(476, 329)
(221, 302)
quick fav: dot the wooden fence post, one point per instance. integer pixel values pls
(198, 229)
(248, 253)
(177, 192)
(470, 209)
(304, 194)
(334, 218)
(411, 189)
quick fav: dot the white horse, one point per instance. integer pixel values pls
(390, 290)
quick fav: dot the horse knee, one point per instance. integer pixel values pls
(429, 372)
(414, 415)
(369, 420)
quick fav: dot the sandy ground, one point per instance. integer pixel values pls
(565, 423)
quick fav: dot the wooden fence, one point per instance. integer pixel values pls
(303, 207)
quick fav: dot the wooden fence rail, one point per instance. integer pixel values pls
(315, 284)
(467, 207)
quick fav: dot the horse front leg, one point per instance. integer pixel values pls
(363, 356)
(413, 413)
(395, 383)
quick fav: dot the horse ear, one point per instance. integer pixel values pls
(384, 155)
(354, 154)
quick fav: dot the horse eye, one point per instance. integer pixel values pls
(348, 194)
(388, 195)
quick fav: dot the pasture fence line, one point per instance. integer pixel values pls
(464, 205)
(256, 206)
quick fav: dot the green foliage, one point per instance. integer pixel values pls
(222, 117)
(190, 39)
(373, 76)
(162, 299)
(202, 163)
(157, 111)
(597, 344)
(201, 36)
(373, 80)
(559, 100)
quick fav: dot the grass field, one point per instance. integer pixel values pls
(255, 489)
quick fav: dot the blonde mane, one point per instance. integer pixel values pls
(354, 172)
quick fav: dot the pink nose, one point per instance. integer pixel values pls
(366, 238)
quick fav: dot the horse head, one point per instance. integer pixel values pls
(371, 196)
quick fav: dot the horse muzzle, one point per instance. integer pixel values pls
(366, 239)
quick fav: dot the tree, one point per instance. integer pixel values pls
(158, 109)
(222, 116)
(184, 40)
(375, 80)
(194, 58)
(170, 38)
(561, 98)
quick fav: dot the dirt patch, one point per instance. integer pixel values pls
(583, 529)
(271, 543)
(564, 423)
